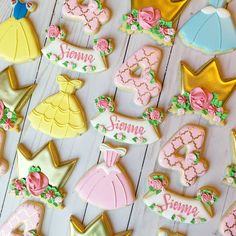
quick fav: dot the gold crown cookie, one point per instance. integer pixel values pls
(12, 99)
(204, 92)
(100, 226)
(41, 175)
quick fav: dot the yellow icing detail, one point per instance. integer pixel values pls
(18, 41)
(101, 226)
(207, 77)
(12, 96)
(47, 159)
(170, 9)
(60, 115)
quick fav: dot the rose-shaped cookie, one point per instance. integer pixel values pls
(36, 183)
(200, 99)
(148, 17)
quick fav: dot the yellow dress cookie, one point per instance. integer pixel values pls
(60, 115)
(18, 39)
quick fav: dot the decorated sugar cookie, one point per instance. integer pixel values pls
(93, 15)
(29, 215)
(144, 86)
(123, 128)
(166, 232)
(191, 166)
(3, 162)
(101, 226)
(41, 175)
(203, 92)
(170, 9)
(149, 20)
(228, 222)
(175, 207)
(74, 58)
(18, 39)
(211, 30)
(106, 185)
(60, 115)
(230, 176)
(12, 100)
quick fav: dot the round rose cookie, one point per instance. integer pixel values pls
(211, 30)
(74, 58)
(191, 166)
(29, 215)
(60, 115)
(101, 226)
(144, 86)
(18, 39)
(149, 20)
(230, 176)
(170, 9)
(123, 128)
(12, 100)
(228, 222)
(175, 207)
(93, 15)
(203, 92)
(106, 185)
(36, 175)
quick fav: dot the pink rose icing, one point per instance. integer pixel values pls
(36, 183)
(148, 17)
(53, 31)
(206, 197)
(181, 100)
(193, 138)
(148, 59)
(156, 184)
(155, 115)
(90, 14)
(212, 110)
(200, 99)
(103, 103)
(1, 109)
(102, 45)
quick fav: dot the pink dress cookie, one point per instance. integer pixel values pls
(191, 166)
(144, 86)
(92, 15)
(106, 185)
(29, 214)
(228, 223)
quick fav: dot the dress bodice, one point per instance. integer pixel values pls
(67, 85)
(218, 3)
(21, 9)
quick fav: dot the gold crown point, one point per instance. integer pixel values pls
(9, 85)
(207, 77)
(48, 160)
(102, 222)
(170, 9)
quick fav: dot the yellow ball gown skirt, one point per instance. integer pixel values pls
(60, 115)
(18, 39)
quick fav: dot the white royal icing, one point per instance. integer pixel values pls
(74, 58)
(222, 12)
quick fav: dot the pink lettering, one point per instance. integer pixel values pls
(67, 52)
(116, 124)
(169, 203)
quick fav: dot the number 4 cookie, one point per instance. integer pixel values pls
(29, 215)
(144, 86)
(92, 15)
(191, 166)
(230, 177)
(175, 207)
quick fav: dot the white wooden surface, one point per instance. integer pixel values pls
(140, 160)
